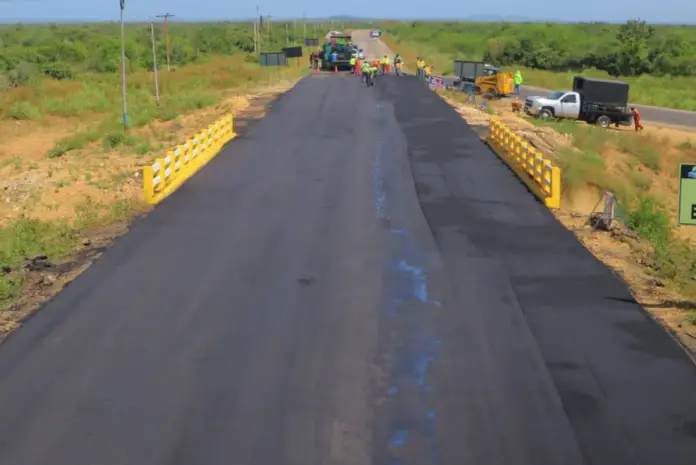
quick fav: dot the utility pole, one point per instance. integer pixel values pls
(123, 66)
(257, 23)
(166, 17)
(270, 31)
(304, 24)
(154, 60)
(287, 37)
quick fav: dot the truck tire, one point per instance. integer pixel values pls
(477, 90)
(545, 114)
(603, 121)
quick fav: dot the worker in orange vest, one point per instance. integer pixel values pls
(636, 119)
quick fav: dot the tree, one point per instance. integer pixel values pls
(633, 55)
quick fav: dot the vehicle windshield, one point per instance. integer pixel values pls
(556, 95)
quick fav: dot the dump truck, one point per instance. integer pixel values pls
(596, 101)
(481, 78)
(340, 43)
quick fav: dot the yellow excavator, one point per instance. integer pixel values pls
(484, 79)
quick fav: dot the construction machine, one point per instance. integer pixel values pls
(340, 43)
(484, 79)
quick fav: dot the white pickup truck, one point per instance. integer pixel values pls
(596, 101)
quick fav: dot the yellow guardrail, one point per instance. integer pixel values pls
(166, 174)
(537, 172)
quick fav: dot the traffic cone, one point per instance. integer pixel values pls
(357, 68)
(335, 68)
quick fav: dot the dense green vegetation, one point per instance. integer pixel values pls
(627, 50)
(64, 51)
(658, 61)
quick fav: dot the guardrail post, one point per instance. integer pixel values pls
(210, 143)
(148, 186)
(188, 155)
(162, 176)
(554, 201)
(539, 169)
(203, 136)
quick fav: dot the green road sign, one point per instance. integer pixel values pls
(687, 194)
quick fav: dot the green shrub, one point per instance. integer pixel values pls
(580, 168)
(650, 221)
(23, 110)
(641, 148)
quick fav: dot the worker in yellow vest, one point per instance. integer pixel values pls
(420, 64)
(426, 71)
(386, 65)
(352, 64)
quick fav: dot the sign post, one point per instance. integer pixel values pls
(437, 81)
(687, 194)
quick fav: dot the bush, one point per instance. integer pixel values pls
(650, 221)
(23, 110)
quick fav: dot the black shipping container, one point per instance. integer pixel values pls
(469, 70)
(602, 91)
(293, 52)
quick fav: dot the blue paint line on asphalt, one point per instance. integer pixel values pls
(399, 438)
(419, 287)
(432, 440)
(407, 282)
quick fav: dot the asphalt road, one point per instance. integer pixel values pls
(356, 280)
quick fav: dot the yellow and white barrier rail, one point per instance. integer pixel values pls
(165, 175)
(538, 173)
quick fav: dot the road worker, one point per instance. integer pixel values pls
(397, 64)
(420, 64)
(368, 73)
(352, 64)
(517, 79)
(386, 65)
(426, 71)
(636, 119)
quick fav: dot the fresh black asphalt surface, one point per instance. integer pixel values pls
(356, 280)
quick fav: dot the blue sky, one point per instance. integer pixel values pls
(136, 10)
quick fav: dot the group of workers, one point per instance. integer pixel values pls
(368, 69)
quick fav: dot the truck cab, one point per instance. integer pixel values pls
(559, 104)
(595, 101)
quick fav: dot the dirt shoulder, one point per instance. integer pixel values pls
(667, 298)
